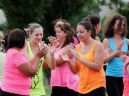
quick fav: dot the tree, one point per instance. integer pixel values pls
(21, 12)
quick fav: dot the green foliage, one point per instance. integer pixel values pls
(89, 8)
(21, 12)
(125, 12)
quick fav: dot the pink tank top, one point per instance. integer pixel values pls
(126, 79)
(62, 76)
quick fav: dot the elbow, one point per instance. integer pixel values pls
(74, 72)
(32, 74)
(52, 67)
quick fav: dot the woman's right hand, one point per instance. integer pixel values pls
(53, 46)
(43, 49)
(51, 39)
(118, 53)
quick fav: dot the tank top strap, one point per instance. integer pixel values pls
(29, 51)
(93, 46)
(78, 47)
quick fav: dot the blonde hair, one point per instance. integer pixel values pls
(32, 26)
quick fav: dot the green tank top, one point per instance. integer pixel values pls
(37, 87)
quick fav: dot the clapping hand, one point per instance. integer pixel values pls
(74, 53)
(53, 46)
(43, 49)
(65, 58)
(51, 39)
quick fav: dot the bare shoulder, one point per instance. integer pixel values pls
(106, 40)
(106, 43)
(99, 45)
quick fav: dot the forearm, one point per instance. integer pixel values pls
(73, 66)
(35, 64)
(91, 65)
(109, 57)
(50, 60)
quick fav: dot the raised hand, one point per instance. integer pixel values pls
(74, 53)
(53, 46)
(117, 53)
(43, 49)
(65, 58)
(51, 39)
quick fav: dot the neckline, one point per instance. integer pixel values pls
(92, 46)
(115, 44)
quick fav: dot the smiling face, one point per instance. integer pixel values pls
(82, 34)
(60, 34)
(37, 35)
(119, 28)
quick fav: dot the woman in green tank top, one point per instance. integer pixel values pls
(35, 32)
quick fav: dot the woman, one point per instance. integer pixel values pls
(63, 81)
(60, 22)
(35, 32)
(95, 21)
(17, 68)
(116, 46)
(88, 60)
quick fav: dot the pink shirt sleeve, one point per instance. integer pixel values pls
(19, 59)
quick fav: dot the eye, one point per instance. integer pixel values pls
(41, 34)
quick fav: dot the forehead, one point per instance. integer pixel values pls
(37, 30)
(80, 27)
(118, 21)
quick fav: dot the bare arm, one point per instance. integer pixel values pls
(72, 63)
(73, 66)
(50, 60)
(99, 58)
(29, 68)
(110, 55)
(60, 61)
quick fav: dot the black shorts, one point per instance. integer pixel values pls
(63, 91)
(97, 92)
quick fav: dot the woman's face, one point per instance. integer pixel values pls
(37, 35)
(60, 35)
(82, 33)
(119, 29)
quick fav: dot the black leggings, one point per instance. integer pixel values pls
(63, 91)
(3, 93)
(97, 92)
(114, 86)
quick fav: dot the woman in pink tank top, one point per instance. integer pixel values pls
(63, 81)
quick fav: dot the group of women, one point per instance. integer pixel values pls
(76, 67)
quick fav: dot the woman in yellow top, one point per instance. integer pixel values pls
(35, 32)
(88, 59)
